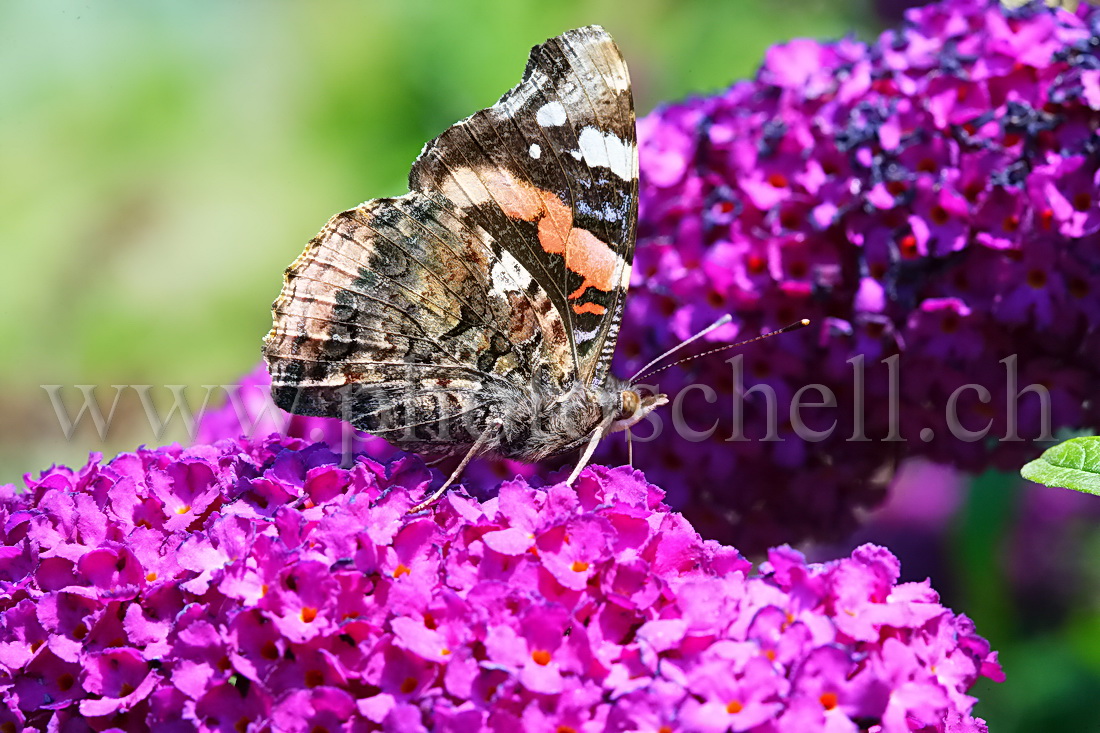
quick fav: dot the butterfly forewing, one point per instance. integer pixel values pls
(551, 170)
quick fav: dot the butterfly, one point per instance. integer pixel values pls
(478, 313)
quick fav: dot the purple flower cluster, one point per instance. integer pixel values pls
(261, 586)
(932, 197)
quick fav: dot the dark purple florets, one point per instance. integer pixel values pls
(931, 196)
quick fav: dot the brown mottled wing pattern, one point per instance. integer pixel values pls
(551, 171)
(501, 274)
(401, 318)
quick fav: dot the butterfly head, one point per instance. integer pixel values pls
(634, 406)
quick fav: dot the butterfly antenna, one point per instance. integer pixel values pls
(720, 322)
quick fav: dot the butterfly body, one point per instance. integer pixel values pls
(479, 312)
(552, 423)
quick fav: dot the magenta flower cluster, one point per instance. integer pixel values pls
(930, 196)
(248, 586)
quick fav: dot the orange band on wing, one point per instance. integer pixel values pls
(596, 308)
(585, 253)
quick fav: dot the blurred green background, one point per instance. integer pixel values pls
(162, 162)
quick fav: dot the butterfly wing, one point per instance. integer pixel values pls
(408, 323)
(551, 171)
(503, 271)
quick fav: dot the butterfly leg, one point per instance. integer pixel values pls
(586, 456)
(629, 449)
(490, 431)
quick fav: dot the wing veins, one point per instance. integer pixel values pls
(484, 323)
(386, 303)
(566, 316)
(473, 272)
(437, 390)
(426, 269)
(494, 258)
(411, 337)
(485, 376)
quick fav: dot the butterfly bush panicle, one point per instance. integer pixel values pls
(260, 585)
(930, 196)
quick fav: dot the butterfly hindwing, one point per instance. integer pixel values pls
(400, 318)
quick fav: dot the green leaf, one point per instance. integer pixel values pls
(1074, 464)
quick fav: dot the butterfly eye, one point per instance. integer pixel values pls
(631, 403)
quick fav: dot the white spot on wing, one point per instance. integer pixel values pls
(535, 151)
(508, 275)
(607, 151)
(551, 114)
